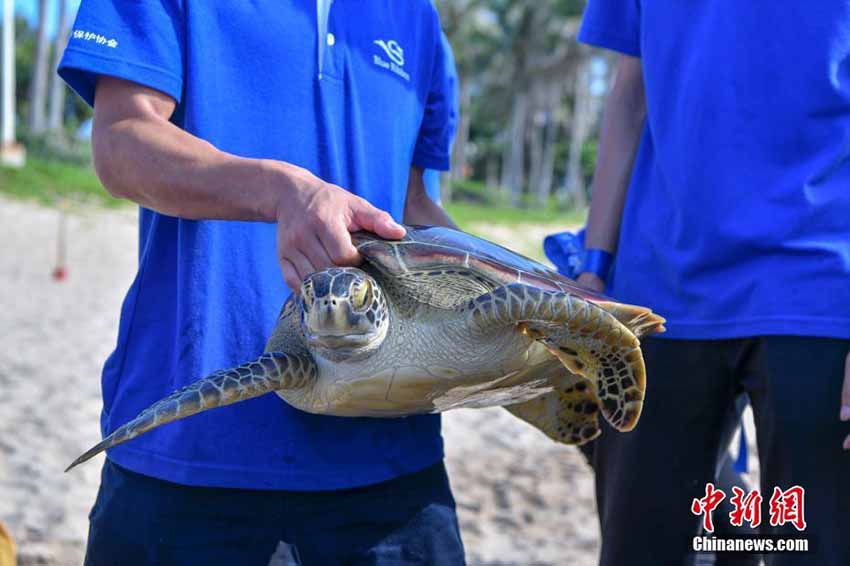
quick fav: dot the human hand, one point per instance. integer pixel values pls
(314, 221)
(845, 398)
(591, 281)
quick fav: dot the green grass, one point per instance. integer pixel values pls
(46, 181)
(466, 213)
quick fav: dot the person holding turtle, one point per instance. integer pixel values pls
(721, 198)
(256, 137)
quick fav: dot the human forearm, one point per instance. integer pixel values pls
(157, 165)
(419, 208)
(622, 125)
(140, 155)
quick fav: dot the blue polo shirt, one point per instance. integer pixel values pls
(737, 219)
(431, 177)
(354, 91)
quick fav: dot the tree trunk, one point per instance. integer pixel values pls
(491, 173)
(458, 166)
(7, 68)
(505, 174)
(38, 86)
(547, 167)
(462, 136)
(56, 103)
(516, 142)
(535, 147)
(573, 182)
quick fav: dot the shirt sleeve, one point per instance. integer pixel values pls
(440, 118)
(137, 40)
(612, 24)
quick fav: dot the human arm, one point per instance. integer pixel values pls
(141, 156)
(622, 125)
(419, 208)
(845, 398)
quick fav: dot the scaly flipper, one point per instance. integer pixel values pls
(588, 340)
(269, 372)
(569, 414)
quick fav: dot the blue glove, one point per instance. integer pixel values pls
(566, 251)
(569, 255)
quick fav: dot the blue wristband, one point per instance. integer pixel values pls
(598, 262)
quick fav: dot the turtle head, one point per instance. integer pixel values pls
(343, 311)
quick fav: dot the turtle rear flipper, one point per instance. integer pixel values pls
(610, 359)
(569, 414)
(587, 339)
(8, 551)
(270, 372)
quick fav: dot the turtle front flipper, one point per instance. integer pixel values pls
(270, 372)
(568, 414)
(587, 339)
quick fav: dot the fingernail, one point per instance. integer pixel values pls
(847, 443)
(845, 413)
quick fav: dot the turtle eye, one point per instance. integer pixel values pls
(361, 295)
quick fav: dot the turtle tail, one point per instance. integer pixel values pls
(269, 372)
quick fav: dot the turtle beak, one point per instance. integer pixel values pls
(340, 328)
(337, 319)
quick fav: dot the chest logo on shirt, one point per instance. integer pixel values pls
(395, 53)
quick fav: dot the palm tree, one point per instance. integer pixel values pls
(580, 124)
(518, 62)
(11, 153)
(56, 103)
(38, 86)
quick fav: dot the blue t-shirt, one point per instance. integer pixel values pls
(737, 220)
(431, 177)
(246, 78)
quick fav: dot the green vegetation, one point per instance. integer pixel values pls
(465, 213)
(473, 202)
(530, 98)
(46, 181)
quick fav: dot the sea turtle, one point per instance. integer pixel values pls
(437, 320)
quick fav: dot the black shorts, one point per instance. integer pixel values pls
(139, 520)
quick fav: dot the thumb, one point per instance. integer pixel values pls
(367, 217)
(845, 391)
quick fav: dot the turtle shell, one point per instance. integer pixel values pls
(446, 267)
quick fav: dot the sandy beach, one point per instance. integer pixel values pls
(522, 499)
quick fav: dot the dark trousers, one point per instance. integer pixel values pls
(646, 479)
(139, 520)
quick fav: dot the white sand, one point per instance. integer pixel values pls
(522, 499)
(55, 337)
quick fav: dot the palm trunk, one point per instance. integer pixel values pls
(579, 128)
(535, 147)
(505, 175)
(491, 172)
(516, 142)
(547, 167)
(462, 137)
(38, 86)
(7, 67)
(56, 103)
